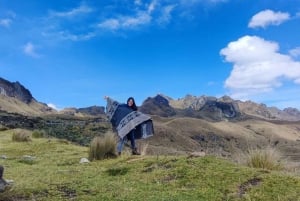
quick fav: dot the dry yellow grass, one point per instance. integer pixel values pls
(14, 105)
(268, 158)
(103, 147)
(21, 135)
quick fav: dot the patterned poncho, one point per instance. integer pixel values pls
(124, 119)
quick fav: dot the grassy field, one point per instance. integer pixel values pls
(53, 172)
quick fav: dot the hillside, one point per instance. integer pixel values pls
(182, 135)
(49, 169)
(15, 98)
(33, 108)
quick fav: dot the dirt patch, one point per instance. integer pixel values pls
(67, 191)
(246, 186)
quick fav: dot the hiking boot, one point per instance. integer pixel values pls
(135, 152)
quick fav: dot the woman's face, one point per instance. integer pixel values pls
(130, 102)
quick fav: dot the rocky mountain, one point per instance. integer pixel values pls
(88, 111)
(15, 98)
(209, 108)
(157, 105)
(265, 112)
(216, 109)
(15, 90)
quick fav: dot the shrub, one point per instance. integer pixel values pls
(3, 128)
(38, 133)
(267, 158)
(21, 135)
(103, 147)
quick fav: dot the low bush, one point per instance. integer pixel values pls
(38, 133)
(21, 135)
(268, 158)
(3, 128)
(103, 147)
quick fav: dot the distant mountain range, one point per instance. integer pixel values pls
(15, 98)
(212, 108)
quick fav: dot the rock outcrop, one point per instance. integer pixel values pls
(157, 105)
(209, 108)
(15, 90)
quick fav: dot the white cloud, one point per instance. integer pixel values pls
(268, 17)
(152, 6)
(65, 35)
(258, 67)
(193, 2)
(53, 106)
(82, 9)
(138, 2)
(295, 52)
(126, 22)
(5, 22)
(166, 14)
(112, 24)
(131, 22)
(145, 14)
(30, 50)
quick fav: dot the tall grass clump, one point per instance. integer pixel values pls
(268, 158)
(38, 133)
(3, 128)
(21, 135)
(143, 149)
(103, 147)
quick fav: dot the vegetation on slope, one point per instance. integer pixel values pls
(54, 173)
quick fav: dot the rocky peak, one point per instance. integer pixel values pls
(189, 102)
(160, 100)
(15, 90)
(292, 111)
(261, 110)
(158, 105)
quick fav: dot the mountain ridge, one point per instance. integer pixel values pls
(215, 108)
(16, 98)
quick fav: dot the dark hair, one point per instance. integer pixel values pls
(133, 107)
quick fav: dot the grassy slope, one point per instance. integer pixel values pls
(16, 106)
(56, 174)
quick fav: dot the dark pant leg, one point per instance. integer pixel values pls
(130, 136)
(1, 171)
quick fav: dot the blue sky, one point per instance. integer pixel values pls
(71, 53)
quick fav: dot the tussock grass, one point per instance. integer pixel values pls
(143, 149)
(21, 135)
(103, 147)
(3, 128)
(268, 158)
(39, 133)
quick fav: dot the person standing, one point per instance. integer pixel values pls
(124, 119)
(130, 135)
(3, 183)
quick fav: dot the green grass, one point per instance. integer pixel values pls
(56, 174)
